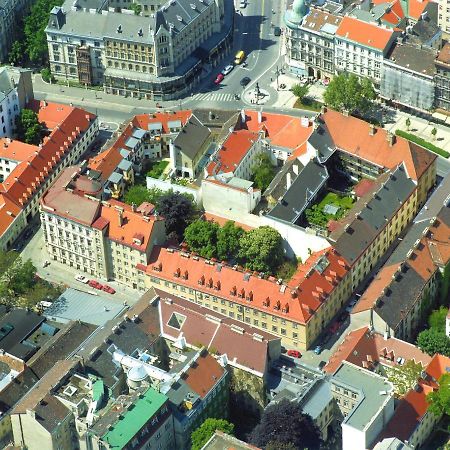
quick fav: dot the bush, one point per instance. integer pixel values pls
(47, 75)
(422, 142)
(157, 169)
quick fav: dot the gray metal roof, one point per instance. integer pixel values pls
(78, 305)
(314, 404)
(192, 137)
(155, 126)
(298, 196)
(138, 133)
(322, 141)
(115, 177)
(125, 165)
(371, 389)
(132, 142)
(124, 153)
(174, 123)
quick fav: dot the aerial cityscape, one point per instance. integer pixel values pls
(225, 225)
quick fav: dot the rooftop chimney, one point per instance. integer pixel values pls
(390, 137)
(372, 130)
(259, 116)
(120, 211)
(288, 180)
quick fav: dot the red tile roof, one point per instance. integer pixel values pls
(203, 376)
(225, 335)
(52, 114)
(367, 34)
(16, 150)
(297, 304)
(282, 130)
(416, 8)
(363, 187)
(232, 152)
(365, 349)
(8, 212)
(351, 135)
(107, 161)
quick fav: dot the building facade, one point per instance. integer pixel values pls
(442, 78)
(444, 16)
(157, 54)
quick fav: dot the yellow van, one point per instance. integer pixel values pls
(240, 56)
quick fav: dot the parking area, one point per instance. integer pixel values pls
(56, 272)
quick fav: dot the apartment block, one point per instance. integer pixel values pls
(444, 16)
(442, 77)
(106, 239)
(28, 171)
(157, 54)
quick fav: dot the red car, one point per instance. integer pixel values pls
(95, 284)
(219, 78)
(294, 353)
(109, 289)
(334, 327)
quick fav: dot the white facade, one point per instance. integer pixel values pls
(444, 16)
(447, 325)
(9, 110)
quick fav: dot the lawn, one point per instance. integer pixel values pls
(157, 169)
(308, 103)
(316, 215)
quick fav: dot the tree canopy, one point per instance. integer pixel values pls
(440, 399)
(436, 319)
(228, 238)
(203, 433)
(348, 92)
(433, 341)
(201, 236)
(178, 211)
(263, 171)
(261, 249)
(284, 423)
(300, 91)
(405, 376)
(28, 127)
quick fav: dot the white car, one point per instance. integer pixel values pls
(242, 4)
(227, 69)
(81, 278)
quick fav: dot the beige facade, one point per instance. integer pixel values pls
(444, 16)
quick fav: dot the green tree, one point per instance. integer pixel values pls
(261, 249)
(408, 123)
(137, 8)
(263, 171)
(440, 399)
(300, 91)
(201, 236)
(28, 127)
(434, 133)
(432, 341)
(40, 291)
(15, 56)
(137, 194)
(346, 92)
(277, 445)
(46, 75)
(436, 320)
(203, 433)
(404, 377)
(228, 238)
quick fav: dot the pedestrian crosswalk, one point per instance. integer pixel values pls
(214, 97)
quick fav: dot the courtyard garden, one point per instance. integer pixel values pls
(331, 206)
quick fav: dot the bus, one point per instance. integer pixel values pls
(240, 56)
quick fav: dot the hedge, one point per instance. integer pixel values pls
(423, 143)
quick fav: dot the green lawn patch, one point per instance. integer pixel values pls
(316, 215)
(308, 103)
(157, 169)
(286, 269)
(419, 141)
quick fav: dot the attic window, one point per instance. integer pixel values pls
(176, 320)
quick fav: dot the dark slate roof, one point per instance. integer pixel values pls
(60, 347)
(17, 389)
(296, 199)
(277, 187)
(23, 323)
(322, 141)
(394, 304)
(129, 337)
(425, 29)
(192, 137)
(50, 412)
(351, 241)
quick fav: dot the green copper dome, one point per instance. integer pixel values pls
(294, 16)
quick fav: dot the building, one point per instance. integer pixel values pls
(412, 422)
(365, 402)
(419, 273)
(28, 171)
(246, 352)
(310, 41)
(442, 77)
(103, 239)
(219, 441)
(360, 48)
(374, 351)
(408, 77)
(16, 90)
(297, 314)
(157, 54)
(444, 16)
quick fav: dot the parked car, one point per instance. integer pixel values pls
(95, 284)
(277, 31)
(28, 233)
(109, 289)
(45, 263)
(219, 79)
(81, 278)
(351, 305)
(294, 353)
(342, 317)
(334, 327)
(227, 69)
(245, 81)
(318, 349)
